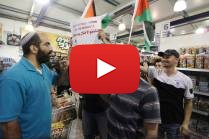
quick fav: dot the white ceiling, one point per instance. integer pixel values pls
(69, 10)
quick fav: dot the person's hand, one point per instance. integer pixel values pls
(102, 35)
(184, 129)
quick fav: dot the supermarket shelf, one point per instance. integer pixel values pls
(191, 69)
(200, 112)
(202, 93)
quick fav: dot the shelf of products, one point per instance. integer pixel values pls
(6, 63)
(201, 93)
(64, 111)
(194, 62)
(200, 112)
(194, 57)
(192, 69)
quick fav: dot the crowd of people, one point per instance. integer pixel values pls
(161, 107)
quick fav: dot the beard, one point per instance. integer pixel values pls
(43, 57)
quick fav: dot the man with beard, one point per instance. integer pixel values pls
(25, 102)
(175, 93)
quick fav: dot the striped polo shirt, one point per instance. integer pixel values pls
(172, 91)
(128, 112)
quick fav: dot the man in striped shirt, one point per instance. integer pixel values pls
(135, 115)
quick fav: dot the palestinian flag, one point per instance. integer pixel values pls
(142, 14)
(90, 11)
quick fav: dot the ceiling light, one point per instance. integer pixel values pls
(121, 27)
(29, 28)
(180, 5)
(200, 30)
(42, 1)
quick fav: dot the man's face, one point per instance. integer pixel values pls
(169, 61)
(45, 49)
(158, 65)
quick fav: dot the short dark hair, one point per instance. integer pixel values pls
(33, 40)
(157, 61)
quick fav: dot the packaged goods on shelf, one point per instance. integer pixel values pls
(203, 127)
(203, 104)
(201, 50)
(206, 61)
(190, 61)
(62, 115)
(194, 57)
(199, 61)
(182, 51)
(194, 82)
(195, 103)
(7, 62)
(182, 61)
(203, 84)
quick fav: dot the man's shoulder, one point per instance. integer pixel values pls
(145, 88)
(15, 73)
(183, 77)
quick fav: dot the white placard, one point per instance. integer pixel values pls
(85, 31)
(163, 28)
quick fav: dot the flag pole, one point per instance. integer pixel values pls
(132, 24)
(86, 8)
(132, 21)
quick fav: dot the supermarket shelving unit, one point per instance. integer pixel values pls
(199, 94)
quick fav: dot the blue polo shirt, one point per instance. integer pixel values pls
(25, 96)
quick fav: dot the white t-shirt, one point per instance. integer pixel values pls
(179, 80)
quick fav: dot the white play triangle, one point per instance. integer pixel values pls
(103, 68)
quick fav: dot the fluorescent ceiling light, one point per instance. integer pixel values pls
(42, 1)
(200, 30)
(180, 5)
(121, 27)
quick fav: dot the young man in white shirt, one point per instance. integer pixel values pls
(175, 91)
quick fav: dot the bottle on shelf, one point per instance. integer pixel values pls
(190, 58)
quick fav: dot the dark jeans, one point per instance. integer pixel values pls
(93, 123)
(169, 131)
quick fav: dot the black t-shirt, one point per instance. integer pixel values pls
(172, 91)
(94, 103)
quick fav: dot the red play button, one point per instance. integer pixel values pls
(104, 69)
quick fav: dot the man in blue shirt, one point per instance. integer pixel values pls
(25, 101)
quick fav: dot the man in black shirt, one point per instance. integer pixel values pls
(175, 93)
(94, 110)
(94, 117)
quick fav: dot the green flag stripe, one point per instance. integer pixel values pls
(146, 16)
(106, 21)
